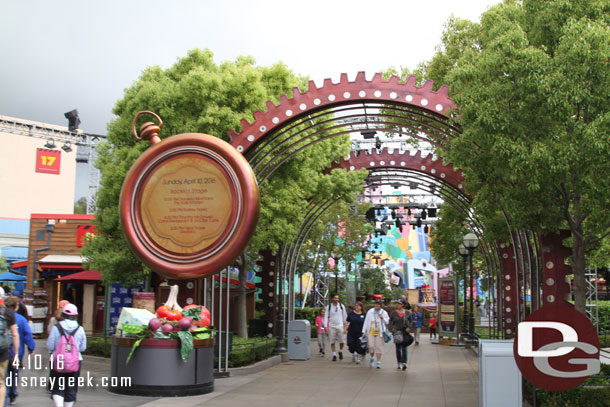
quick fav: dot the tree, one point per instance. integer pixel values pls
(531, 83)
(371, 281)
(342, 231)
(3, 264)
(197, 95)
(80, 206)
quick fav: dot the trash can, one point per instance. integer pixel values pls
(499, 376)
(299, 339)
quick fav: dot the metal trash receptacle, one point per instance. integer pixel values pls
(499, 377)
(299, 339)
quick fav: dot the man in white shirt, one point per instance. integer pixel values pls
(335, 320)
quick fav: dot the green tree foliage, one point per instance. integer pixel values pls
(80, 206)
(371, 281)
(3, 265)
(446, 235)
(531, 83)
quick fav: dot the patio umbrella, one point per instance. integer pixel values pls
(9, 277)
(85, 277)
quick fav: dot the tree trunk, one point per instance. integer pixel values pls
(578, 267)
(242, 320)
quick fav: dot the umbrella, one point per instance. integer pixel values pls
(86, 277)
(11, 277)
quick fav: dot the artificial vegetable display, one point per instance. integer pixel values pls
(171, 310)
(173, 322)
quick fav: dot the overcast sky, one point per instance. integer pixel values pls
(65, 54)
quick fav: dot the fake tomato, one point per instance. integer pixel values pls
(166, 312)
(204, 315)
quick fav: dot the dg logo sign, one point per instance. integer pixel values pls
(557, 348)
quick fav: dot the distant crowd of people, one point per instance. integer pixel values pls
(366, 332)
(65, 343)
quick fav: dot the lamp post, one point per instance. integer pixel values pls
(464, 253)
(471, 241)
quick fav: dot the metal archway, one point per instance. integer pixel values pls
(417, 113)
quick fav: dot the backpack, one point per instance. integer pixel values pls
(65, 356)
(5, 343)
(341, 307)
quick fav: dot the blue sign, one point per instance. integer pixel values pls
(120, 297)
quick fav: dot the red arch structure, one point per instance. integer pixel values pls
(344, 92)
(528, 265)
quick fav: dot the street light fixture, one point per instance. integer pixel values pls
(471, 242)
(464, 253)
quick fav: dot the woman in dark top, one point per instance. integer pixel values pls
(355, 320)
(400, 320)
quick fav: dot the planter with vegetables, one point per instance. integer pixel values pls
(167, 354)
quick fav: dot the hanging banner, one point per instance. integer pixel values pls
(447, 307)
(48, 161)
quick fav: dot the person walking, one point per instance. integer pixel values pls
(9, 324)
(355, 321)
(56, 315)
(432, 324)
(322, 331)
(65, 395)
(335, 320)
(374, 324)
(417, 323)
(25, 338)
(400, 322)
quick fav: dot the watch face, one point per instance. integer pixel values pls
(189, 205)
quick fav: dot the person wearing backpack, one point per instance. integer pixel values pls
(8, 329)
(25, 338)
(66, 342)
(334, 319)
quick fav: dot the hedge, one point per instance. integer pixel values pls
(95, 346)
(594, 392)
(249, 351)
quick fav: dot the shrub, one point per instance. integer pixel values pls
(249, 351)
(595, 391)
(95, 346)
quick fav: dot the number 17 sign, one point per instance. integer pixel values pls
(48, 161)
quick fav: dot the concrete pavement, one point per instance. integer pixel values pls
(438, 376)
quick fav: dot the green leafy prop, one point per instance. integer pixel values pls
(186, 345)
(186, 338)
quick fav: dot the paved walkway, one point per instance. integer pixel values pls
(438, 375)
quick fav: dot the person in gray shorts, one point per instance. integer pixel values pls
(335, 318)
